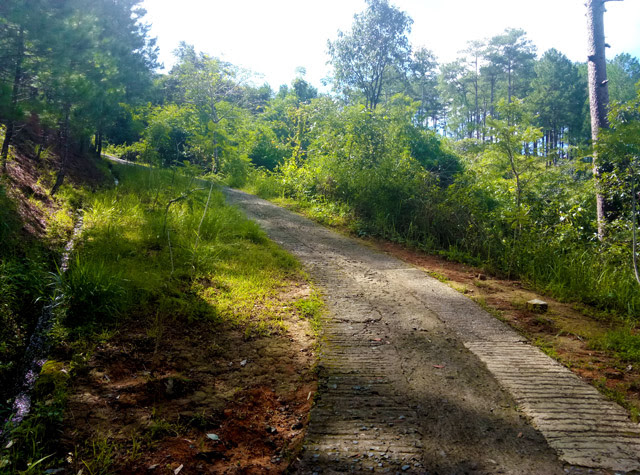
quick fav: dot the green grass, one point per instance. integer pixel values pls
(311, 308)
(623, 343)
(152, 250)
(177, 259)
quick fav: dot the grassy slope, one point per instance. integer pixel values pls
(157, 253)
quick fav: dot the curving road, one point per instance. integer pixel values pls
(416, 378)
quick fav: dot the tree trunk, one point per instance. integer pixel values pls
(477, 115)
(17, 78)
(64, 137)
(216, 157)
(598, 97)
(509, 85)
(99, 145)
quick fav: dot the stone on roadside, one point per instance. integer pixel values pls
(537, 305)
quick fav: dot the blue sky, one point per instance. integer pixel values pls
(274, 37)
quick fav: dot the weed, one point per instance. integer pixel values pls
(33, 443)
(482, 284)
(463, 289)
(547, 348)
(92, 292)
(99, 457)
(624, 343)
(438, 276)
(59, 227)
(161, 427)
(135, 452)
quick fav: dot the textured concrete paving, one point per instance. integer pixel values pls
(400, 389)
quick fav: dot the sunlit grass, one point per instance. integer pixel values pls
(170, 255)
(152, 250)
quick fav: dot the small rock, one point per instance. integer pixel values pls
(537, 305)
(271, 430)
(214, 437)
(406, 467)
(243, 363)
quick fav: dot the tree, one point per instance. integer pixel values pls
(423, 81)
(598, 96)
(376, 43)
(513, 53)
(94, 65)
(623, 73)
(24, 26)
(557, 100)
(506, 154)
(455, 85)
(212, 87)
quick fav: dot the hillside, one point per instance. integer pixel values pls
(155, 340)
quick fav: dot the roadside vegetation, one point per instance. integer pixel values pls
(159, 254)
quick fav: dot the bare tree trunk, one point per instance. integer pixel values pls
(99, 145)
(65, 151)
(598, 95)
(17, 78)
(216, 156)
(509, 85)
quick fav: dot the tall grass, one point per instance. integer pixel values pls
(549, 242)
(141, 252)
(153, 252)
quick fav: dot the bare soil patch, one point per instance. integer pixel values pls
(199, 397)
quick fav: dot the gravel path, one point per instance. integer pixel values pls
(416, 378)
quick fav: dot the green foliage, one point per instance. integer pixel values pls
(559, 100)
(376, 44)
(311, 308)
(210, 264)
(625, 343)
(623, 73)
(23, 278)
(91, 292)
(70, 68)
(128, 264)
(499, 205)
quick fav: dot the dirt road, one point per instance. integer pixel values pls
(404, 384)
